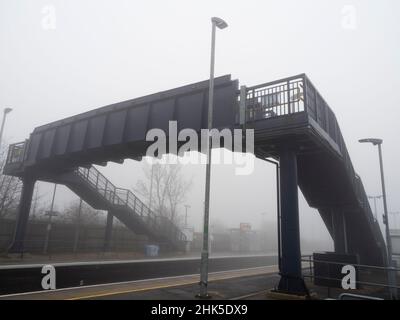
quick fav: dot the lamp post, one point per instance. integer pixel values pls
(391, 275)
(5, 113)
(220, 24)
(78, 226)
(50, 214)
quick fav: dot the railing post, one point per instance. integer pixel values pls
(316, 105)
(291, 272)
(97, 180)
(288, 97)
(108, 232)
(305, 100)
(327, 125)
(242, 106)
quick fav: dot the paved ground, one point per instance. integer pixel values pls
(243, 284)
(235, 284)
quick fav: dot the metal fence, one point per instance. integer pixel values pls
(16, 153)
(367, 276)
(70, 241)
(275, 99)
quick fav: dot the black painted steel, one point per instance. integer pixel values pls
(284, 112)
(108, 232)
(119, 131)
(28, 184)
(339, 231)
(102, 194)
(291, 274)
(328, 268)
(292, 110)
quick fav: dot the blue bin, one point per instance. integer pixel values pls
(151, 250)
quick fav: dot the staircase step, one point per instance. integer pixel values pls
(96, 190)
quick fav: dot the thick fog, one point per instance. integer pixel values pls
(60, 58)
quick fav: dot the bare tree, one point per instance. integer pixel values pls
(164, 188)
(10, 190)
(86, 216)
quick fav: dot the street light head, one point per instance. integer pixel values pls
(221, 24)
(7, 110)
(371, 140)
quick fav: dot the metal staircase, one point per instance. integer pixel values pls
(94, 188)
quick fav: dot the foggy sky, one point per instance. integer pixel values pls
(102, 52)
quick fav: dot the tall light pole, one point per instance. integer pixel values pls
(220, 24)
(78, 226)
(5, 113)
(391, 275)
(375, 209)
(50, 214)
(186, 213)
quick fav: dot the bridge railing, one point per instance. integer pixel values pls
(293, 95)
(162, 224)
(289, 96)
(16, 153)
(317, 108)
(117, 196)
(275, 99)
(124, 197)
(367, 275)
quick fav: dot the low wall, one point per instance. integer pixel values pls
(62, 237)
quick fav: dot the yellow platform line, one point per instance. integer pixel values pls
(213, 277)
(109, 289)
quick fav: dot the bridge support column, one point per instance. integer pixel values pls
(291, 274)
(339, 231)
(108, 234)
(17, 245)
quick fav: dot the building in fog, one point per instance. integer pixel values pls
(235, 240)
